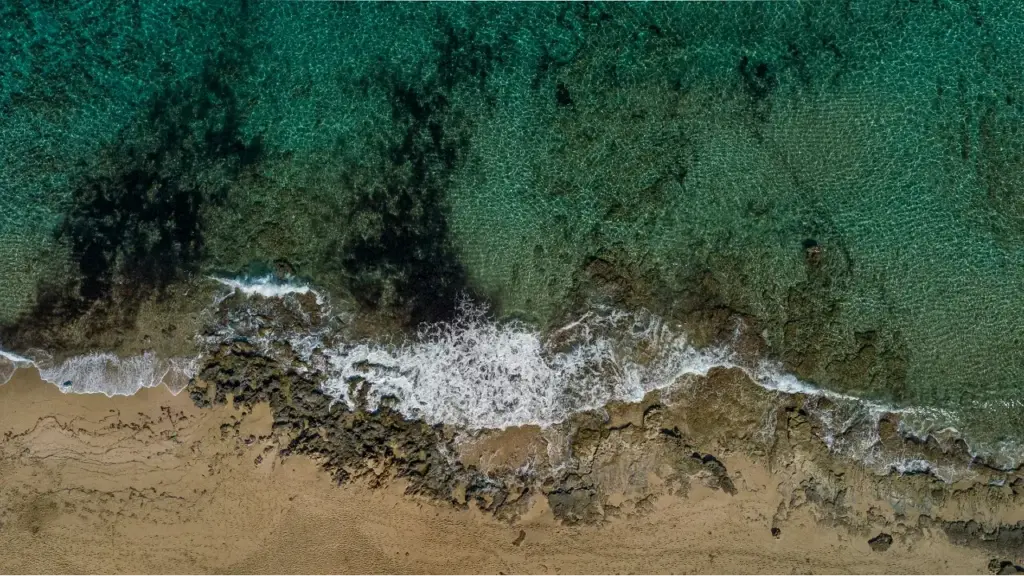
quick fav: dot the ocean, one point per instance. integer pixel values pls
(458, 183)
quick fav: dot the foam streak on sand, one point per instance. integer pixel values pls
(104, 373)
(10, 363)
(111, 375)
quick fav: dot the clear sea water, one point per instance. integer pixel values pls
(849, 174)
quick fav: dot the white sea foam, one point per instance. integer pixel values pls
(912, 466)
(109, 374)
(477, 373)
(267, 287)
(10, 363)
(104, 373)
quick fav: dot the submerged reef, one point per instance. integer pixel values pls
(398, 255)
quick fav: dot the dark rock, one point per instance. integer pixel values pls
(283, 268)
(718, 472)
(880, 543)
(575, 505)
(997, 566)
(360, 443)
(1006, 538)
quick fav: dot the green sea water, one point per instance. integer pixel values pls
(402, 154)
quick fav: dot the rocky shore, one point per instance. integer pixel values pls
(618, 462)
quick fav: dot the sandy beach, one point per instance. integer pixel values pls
(150, 483)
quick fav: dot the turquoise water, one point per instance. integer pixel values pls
(399, 155)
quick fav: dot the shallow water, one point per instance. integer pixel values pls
(848, 178)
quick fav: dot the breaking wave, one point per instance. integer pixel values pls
(267, 287)
(112, 375)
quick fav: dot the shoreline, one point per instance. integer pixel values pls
(557, 373)
(513, 288)
(89, 373)
(176, 373)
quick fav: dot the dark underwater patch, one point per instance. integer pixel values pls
(139, 219)
(758, 78)
(999, 165)
(462, 57)
(134, 223)
(398, 259)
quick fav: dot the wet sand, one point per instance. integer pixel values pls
(150, 483)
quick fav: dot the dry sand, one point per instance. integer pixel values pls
(150, 483)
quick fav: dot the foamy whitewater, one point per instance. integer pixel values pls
(104, 373)
(266, 287)
(476, 373)
(111, 375)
